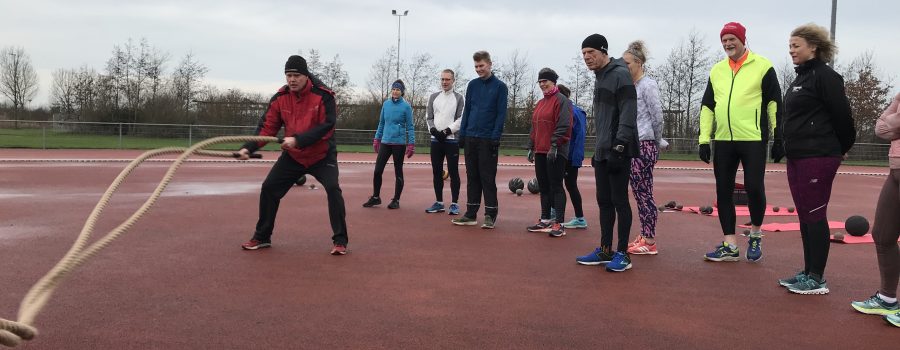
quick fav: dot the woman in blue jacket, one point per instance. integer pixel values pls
(576, 157)
(394, 137)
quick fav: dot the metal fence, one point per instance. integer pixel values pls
(58, 134)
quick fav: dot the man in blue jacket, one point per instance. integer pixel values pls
(480, 131)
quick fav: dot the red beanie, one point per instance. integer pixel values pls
(736, 29)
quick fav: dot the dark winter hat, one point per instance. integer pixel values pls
(595, 41)
(547, 74)
(296, 64)
(398, 84)
(736, 29)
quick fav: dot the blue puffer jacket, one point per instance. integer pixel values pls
(576, 143)
(395, 125)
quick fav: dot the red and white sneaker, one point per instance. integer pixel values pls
(643, 248)
(339, 249)
(255, 244)
(636, 241)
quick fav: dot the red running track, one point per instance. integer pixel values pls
(178, 279)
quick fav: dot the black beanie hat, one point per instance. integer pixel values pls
(549, 74)
(296, 64)
(595, 41)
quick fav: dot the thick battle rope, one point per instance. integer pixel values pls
(11, 332)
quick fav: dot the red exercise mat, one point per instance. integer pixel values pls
(848, 239)
(792, 226)
(742, 210)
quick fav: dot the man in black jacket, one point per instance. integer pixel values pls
(615, 120)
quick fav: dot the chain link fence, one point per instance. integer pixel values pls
(60, 134)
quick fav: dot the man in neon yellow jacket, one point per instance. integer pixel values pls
(741, 106)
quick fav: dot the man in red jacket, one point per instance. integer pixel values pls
(307, 111)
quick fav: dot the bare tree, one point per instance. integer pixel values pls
(869, 94)
(462, 76)
(786, 75)
(682, 79)
(518, 76)
(186, 81)
(381, 76)
(63, 92)
(137, 72)
(18, 80)
(337, 79)
(581, 82)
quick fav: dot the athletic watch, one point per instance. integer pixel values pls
(619, 148)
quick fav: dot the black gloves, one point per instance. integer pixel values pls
(551, 156)
(447, 132)
(777, 152)
(439, 135)
(705, 153)
(530, 155)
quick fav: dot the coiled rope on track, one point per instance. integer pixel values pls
(12, 333)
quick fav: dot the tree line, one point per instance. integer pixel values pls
(135, 86)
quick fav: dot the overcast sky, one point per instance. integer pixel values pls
(244, 44)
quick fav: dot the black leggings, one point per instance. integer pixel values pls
(384, 152)
(550, 180)
(571, 182)
(283, 176)
(727, 155)
(439, 151)
(612, 198)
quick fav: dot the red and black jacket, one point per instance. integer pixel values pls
(309, 115)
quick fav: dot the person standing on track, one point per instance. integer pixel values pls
(743, 102)
(444, 117)
(615, 120)
(480, 132)
(576, 158)
(818, 132)
(548, 149)
(394, 138)
(886, 227)
(307, 111)
(650, 124)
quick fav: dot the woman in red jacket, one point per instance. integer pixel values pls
(548, 149)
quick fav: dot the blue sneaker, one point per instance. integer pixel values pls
(620, 262)
(876, 306)
(724, 252)
(576, 223)
(437, 207)
(894, 319)
(754, 252)
(454, 209)
(597, 257)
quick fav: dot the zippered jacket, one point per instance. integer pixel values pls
(818, 121)
(445, 111)
(551, 124)
(309, 116)
(485, 109)
(742, 106)
(395, 124)
(615, 110)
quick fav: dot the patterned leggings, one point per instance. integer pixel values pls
(642, 186)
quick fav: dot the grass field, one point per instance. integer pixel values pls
(37, 138)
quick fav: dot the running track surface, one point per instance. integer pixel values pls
(178, 279)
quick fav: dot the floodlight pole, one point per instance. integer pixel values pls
(399, 16)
